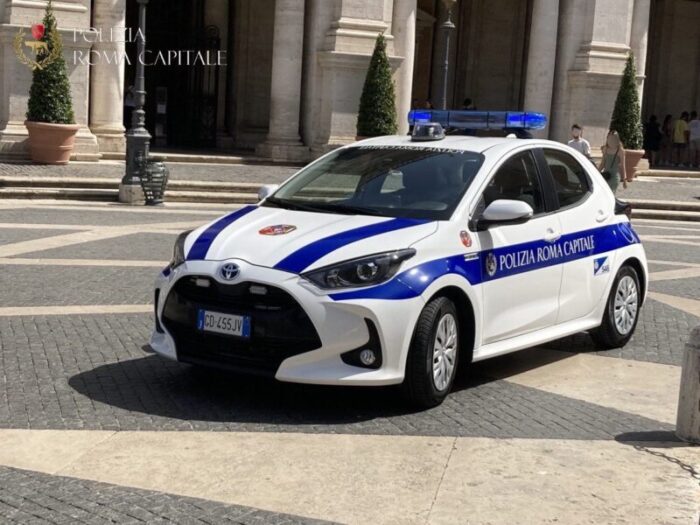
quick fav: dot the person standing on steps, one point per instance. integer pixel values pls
(680, 139)
(666, 141)
(652, 141)
(612, 165)
(578, 143)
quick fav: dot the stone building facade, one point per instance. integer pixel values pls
(289, 84)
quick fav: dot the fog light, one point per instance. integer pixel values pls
(368, 357)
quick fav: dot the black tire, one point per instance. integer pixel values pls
(419, 384)
(607, 335)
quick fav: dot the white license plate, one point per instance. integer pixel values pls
(209, 321)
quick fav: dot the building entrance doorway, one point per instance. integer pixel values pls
(488, 52)
(672, 84)
(185, 97)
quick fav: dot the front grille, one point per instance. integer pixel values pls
(279, 326)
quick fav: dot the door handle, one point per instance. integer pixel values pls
(552, 235)
(602, 215)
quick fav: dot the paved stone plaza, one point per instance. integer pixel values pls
(94, 428)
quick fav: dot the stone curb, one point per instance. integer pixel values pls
(645, 204)
(666, 215)
(16, 182)
(112, 195)
(669, 174)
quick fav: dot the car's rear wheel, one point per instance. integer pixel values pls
(433, 357)
(621, 312)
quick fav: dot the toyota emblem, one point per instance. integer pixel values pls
(229, 271)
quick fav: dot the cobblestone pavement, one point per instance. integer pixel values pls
(31, 497)
(90, 371)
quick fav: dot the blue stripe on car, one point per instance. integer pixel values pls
(206, 238)
(309, 254)
(534, 255)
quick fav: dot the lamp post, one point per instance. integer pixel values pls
(137, 138)
(447, 27)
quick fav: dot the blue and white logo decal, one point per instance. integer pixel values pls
(491, 264)
(601, 266)
(229, 271)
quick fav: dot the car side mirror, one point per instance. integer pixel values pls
(265, 191)
(503, 212)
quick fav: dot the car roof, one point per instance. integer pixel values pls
(458, 142)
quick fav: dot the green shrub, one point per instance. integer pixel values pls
(377, 113)
(50, 97)
(626, 118)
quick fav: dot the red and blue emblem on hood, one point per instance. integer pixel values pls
(277, 229)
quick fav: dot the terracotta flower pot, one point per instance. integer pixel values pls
(632, 158)
(51, 143)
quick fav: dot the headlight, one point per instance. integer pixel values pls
(179, 250)
(366, 271)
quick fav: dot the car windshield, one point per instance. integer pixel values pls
(421, 183)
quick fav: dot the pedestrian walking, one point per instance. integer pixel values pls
(652, 140)
(612, 165)
(578, 143)
(694, 140)
(666, 140)
(680, 139)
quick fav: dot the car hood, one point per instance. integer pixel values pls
(296, 241)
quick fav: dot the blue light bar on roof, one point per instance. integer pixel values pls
(462, 119)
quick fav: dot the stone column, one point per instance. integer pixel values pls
(541, 58)
(283, 141)
(593, 45)
(640, 38)
(403, 27)
(107, 75)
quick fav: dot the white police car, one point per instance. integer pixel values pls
(398, 259)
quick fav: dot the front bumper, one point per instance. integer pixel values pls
(298, 333)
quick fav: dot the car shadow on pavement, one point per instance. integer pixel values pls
(152, 393)
(159, 387)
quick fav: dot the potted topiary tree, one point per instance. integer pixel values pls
(626, 118)
(50, 120)
(377, 113)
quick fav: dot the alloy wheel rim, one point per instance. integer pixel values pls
(626, 305)
(444, 352)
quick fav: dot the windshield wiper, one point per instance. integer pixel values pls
(323, 207)
(287, 204)
(361, 210)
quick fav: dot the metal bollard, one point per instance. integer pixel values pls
(688, 419)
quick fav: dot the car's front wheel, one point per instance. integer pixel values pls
(621, 312)
(433, 356)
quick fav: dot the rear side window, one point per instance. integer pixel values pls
(570, 180)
